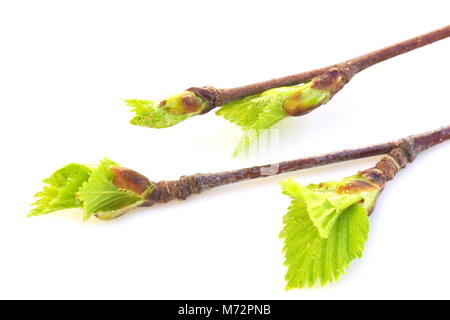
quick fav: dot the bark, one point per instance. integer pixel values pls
(217, 97)
(397, 154)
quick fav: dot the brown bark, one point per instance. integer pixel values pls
(397, 154)
(217, 97)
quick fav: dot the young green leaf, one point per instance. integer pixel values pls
(101, 197)
(328, 200)
(261, 111)
(256, 113)
(326, 227)
(168, 112)
(61, 188)
(94, 189)
(324, 208)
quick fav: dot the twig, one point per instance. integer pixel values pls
(217, 97)
(165, 191)
(109, 190)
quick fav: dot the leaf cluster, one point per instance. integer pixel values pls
(88, 187)
(324, 229)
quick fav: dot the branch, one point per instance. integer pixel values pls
(257, 107)
(165, 191)
(109, 190)
(218, 97)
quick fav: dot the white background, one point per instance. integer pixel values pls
(65, 67)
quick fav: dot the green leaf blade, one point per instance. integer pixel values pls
(261, 111)
(256, 113)
(310, 257)
(61, 188)
(148, 114)
(101, 196)
(323, 206)
(93, 189)
(168, 112)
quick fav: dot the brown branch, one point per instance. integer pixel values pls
(217, 97)
(180, 189)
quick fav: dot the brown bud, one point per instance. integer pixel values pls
(190, 104)
(305, 99)
(128, 179)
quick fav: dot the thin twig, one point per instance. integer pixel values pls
(165, 191)
(217, 97)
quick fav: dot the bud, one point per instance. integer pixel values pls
(167, 112)
(327, 201)
(314, 93)
(261, 111)
(186, 102)
(326, 228)
(131, 180)
(106, 191)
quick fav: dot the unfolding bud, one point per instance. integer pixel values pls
(314, 93)
(327, 224)
(106, 191)
(166, 112)
(326, 228)
(186, 102)
(131, 180)
(261, 111)
(326, 201)
(60, 189)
